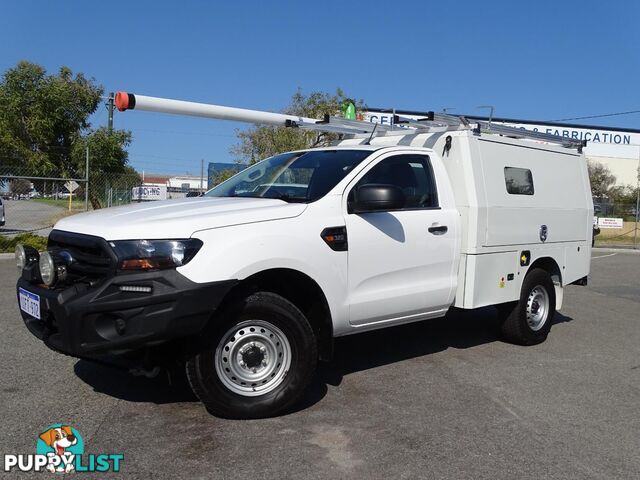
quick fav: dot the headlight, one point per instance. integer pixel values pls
(47, 269)
(154, 254)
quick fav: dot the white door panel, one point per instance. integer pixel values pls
(396, 266)
(400, 261)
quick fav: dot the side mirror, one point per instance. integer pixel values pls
(375, 197)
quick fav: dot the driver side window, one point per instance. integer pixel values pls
(411, 173)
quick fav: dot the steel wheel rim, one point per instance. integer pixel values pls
(253, 358)
(537, 308)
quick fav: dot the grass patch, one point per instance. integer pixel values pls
(8, 244)
(61, 202)
(77, 206)
(618, 236)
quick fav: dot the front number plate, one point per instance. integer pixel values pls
(29, 303)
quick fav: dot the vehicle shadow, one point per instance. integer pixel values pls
(459, 329)
(119, 383)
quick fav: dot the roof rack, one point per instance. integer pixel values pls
(401, 125)
(455, 122)
(515, 132)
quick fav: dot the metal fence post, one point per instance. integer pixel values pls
(86, 183)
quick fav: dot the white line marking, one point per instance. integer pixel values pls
(602, 256)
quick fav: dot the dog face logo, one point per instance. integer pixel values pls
(60, 443)
(59, 438)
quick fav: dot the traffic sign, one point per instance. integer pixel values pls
(71, 185)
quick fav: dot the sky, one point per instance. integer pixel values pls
(544, 60)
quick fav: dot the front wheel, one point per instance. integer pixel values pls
(259, 361)
(529, 320)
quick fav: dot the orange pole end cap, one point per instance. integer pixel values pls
(124, 101)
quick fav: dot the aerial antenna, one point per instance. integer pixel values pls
(373, 132)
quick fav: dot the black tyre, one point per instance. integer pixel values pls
(529, 321)
(261, 357)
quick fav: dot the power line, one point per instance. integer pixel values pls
(597, 116)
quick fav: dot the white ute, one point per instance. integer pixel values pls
(248, 285)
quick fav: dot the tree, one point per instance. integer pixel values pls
(263, 141)
(601, 179)
(108, 159)
(42, 115)
(222, 176)
(45, 128)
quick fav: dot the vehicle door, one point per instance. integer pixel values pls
(400, 261)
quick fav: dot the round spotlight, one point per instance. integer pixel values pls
(47, 269)
(21, 258)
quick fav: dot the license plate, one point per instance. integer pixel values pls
(29, 303)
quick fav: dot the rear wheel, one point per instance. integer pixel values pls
(259, 361)
(529, 320)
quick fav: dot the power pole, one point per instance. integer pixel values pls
(201, 175)
(110, 110)
(86, 183)
(635, 230)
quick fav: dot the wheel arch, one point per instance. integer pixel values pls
(301, 290)
(550, 265)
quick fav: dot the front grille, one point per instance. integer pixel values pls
(88, 257)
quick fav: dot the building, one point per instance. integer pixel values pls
(177, 186)
(617, 148)
(187, 183)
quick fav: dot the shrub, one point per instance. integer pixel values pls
(8, 244)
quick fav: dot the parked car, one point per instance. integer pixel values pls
(2, 218)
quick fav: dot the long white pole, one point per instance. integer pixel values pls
(129, 101)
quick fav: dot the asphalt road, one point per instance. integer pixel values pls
(440, 399)
(29, 215)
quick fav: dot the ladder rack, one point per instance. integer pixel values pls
(433, 122)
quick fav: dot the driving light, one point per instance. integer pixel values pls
(47, 269)
(135, 288)
(21, 258)
(24, 256)
(154, 254)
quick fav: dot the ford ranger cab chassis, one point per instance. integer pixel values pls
(246, 287)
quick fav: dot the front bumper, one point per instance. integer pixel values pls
(82, 321)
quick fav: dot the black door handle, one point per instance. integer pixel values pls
(438, 230)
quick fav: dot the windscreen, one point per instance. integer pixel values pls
(293, 177)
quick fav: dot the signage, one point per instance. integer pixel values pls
(610, 222)
(71, 185)
(604, 143)
(149, 192)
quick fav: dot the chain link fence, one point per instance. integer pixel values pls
(617, 223)
(33, 201)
